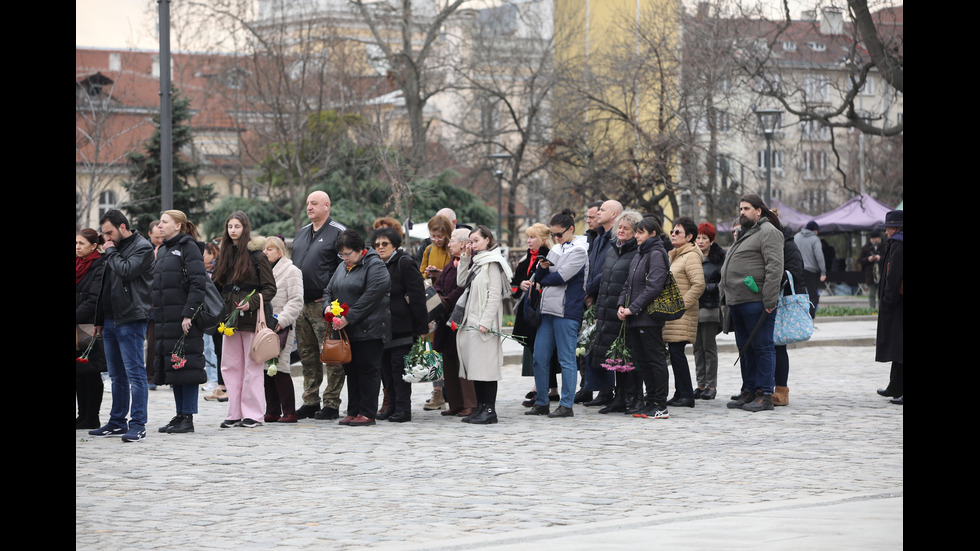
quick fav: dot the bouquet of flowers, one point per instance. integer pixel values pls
(519, 338)
(586, 335)
(177, 354)
(227, 327)
(422, 364)
(618, 358)
(337, 310)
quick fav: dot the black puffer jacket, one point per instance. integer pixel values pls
(615, 271)
(711, 298)
(648, 274)
(406, 302)
(364, 288)
(178, 289)
(793, 262)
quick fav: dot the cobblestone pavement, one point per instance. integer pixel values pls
(825, 471)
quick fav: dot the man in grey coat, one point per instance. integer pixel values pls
(814, 267)
(750, 284)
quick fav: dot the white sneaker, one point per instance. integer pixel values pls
(209, 386)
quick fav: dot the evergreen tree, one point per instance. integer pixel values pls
(143, 186)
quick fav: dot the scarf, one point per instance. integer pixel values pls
(480, 282)
(84, 263)
(533, 257)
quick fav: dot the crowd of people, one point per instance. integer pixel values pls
(589, 305)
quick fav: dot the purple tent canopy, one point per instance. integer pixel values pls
(788, 217)
(862, 213)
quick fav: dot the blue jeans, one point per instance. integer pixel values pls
(561, 334)
(185, 398)
(759, 361)
(124, 361)
(210, 360)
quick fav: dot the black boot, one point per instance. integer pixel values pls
(485, 416)
(617, 405)
(476, 412)
(185, 424)
(602, 399)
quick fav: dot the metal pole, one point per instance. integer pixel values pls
(500, 203)
(166, 114)
(768, 169)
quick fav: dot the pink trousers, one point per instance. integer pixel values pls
(243, 378)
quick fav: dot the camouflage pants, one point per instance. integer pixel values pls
(310, 327)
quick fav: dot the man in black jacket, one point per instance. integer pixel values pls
(315, 254)
(121, 314)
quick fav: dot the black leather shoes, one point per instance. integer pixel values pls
(327, 413)
(562, 411)
(682, 403)
(400, 417)
(602, 399)
(538, 410)
(384, 414)
(900, 400)
(583, 396)
(698, 392)
(306, 412)
(887, 393)
(709, 394)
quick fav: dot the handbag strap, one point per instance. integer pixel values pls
(260, 319)
(792, 287)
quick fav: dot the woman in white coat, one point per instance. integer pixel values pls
(484, 272)
(280, 398)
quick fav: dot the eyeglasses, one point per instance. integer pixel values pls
(677, 231)
(343, 256)
(557, 235)
(379, 244)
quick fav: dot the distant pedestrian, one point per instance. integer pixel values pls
(870, 260)
(814, 267)
(889, 345)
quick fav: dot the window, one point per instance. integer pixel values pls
(817, 46)
(777, 160)
(115, 61)
(814, 131)
(814, 164)
(789, 46)
(868, 89)
(107, 201)
(815, 89)
(723, 121)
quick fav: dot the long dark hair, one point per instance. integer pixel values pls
(238, 265)
(757, 203)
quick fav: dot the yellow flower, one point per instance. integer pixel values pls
(229, 331)
(335, 308)
(221, 328)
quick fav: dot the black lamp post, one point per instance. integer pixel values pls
(499, 161)
(768, 122)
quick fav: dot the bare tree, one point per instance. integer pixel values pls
(407, 40)
(618, 130)
(502, 89)
(105, 132)
(299, 86)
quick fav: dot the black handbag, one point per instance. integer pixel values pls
(532, 306)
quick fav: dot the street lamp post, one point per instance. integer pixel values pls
(768, 122)
(499, 160)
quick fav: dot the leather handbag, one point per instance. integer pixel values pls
(433, 302)
(532, 306)
(793, 321)
(265, 344)
(335, 351)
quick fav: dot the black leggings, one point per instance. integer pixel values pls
(486, 392)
